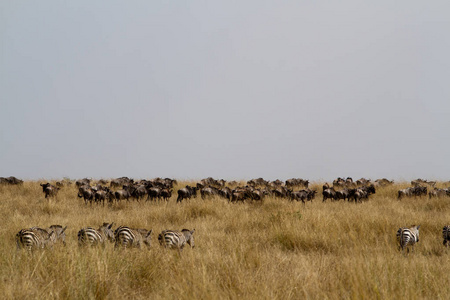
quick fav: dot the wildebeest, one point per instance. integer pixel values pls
(293, 182)
(166, 194)
(226, 193)
(153, 193)
(258, 181)
(120, 182)
(419, 182)
(240, 195)
(84, 181)
(383, 182)
(104, 195)
(412, 191)
(86, 193)
(138, 192)
(303, 195)
(11, 180)
(209, 192)
(343, 194)
(186, 193)
(49, 190)
(328, 193)
(438, 193)
(124, 193)
(361, 193)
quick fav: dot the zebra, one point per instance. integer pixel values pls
(408, 236)
(60, 233)
(94, 237)
(446, 235)
(129, 237)
(35, 238)
(176, 239)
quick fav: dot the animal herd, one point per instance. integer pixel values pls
(123, 236)
(126, 237)
(124, 188)
(294, 189)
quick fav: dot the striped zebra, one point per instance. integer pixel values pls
(60, 233)
(176, 239)
(408, 237)
(129, 237)
(35, 238)
(446, 235)
(94, 237)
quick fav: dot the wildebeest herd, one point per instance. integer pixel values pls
(294, 189)
(254, 190)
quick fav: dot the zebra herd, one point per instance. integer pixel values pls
(408, 237)
(124, 237)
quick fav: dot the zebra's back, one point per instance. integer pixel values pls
(35, 238)
(90, 236)
(130, 237)
(176, 239)
(408, 236)
(93, 237)
(446, 235)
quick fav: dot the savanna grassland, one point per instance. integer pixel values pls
(272, 250)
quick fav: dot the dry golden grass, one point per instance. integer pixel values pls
(274, 250)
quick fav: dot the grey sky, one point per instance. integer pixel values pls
(233, 90)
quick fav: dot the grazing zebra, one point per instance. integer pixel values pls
(446, 235)
(408, 236)
(176, 239)
(60, 233)
(94, 237)
(35, 238)
(129, 237)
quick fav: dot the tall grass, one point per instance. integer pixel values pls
(274, 250)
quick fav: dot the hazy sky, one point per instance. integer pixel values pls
(233, 90)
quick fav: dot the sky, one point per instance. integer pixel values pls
(233, 89)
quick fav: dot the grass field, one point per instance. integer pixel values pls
(272, 250)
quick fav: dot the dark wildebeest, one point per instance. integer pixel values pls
(361, 193)
(103, 195)
(186, 193)
(84, 181)
(257, 194)
(258, 181)
(329, 193)
(166, 194)
(87, 193)
(303, 195)
(226, 193)
(154, 193)
(412, 191)
(293, 182)
(280, 192)
(384, 182)
(138, 192)
(11, 180)
(342, 194)
(209, 192)
(124, 193)
(240, 195)
(438, 193)
(49, 190)
(419, 182)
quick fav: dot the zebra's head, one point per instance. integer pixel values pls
(106, 228)
(147, 239)
(189, 235)
(415, 230)
(60, 233)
